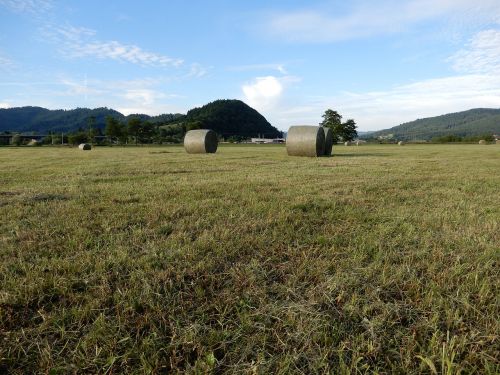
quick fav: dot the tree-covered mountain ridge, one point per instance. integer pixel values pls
(227, 117)
(477, 121)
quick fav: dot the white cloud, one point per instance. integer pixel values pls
(370, 18)
(77, 88)
(4, 105)
(27, 6)
(81, 42)
(129, 96)
(145, 97)
(197, 70)
(482, 54)
(263, 92)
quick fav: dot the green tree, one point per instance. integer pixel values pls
(349, 132)
(341, 131)
(78, 137)
(147, 132)
(194, 125)
(134, 126)
(114, 129)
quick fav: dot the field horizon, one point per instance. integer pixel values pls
(380, 259)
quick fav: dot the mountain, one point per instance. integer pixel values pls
(41, 120)
(477, 121)
(229, 118)
(226, 117)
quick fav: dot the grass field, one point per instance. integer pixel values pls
(130, 260)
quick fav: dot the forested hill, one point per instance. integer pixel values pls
(477, 121)
(230, 118)
(42, 120)
(226, 117)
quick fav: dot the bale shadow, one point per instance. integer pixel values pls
(369, 154)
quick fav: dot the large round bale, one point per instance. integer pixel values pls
(201, 141)
(328, 141)
(348, 143)
(305, 140)
(85, 146)
(401, 143)
(482, 142)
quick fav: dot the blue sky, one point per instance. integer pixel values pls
(380, 62)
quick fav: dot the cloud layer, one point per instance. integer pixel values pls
(369, 18)
(476, 84)
(27, 6)
(81, 42)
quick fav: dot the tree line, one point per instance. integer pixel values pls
(134, 130)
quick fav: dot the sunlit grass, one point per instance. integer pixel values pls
(379, 259)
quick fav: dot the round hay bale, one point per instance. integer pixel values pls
(328, 141)
(305, 140)
(482, 142)
(85, 146)
(201, 141)
(401, 143)
(497, 141)
(348, 143)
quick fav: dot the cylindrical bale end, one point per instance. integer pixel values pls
(482, 142)
(85, 146)
(401, 143)
(305, 141)
(348, 143)
(328, 141)
(201, 141)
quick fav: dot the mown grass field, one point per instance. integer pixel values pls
(135, 260)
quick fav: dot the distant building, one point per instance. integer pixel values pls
(267, 140)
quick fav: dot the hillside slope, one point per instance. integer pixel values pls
(467, 123)
(229, 117)
(42, 120)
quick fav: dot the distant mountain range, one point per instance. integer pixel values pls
(226, 117)
(42, 120)
(235, 118)
(479, 121)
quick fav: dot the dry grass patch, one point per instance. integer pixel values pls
(253, 262)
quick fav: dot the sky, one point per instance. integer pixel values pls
(381, 63)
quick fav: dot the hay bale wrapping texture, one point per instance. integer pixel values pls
(201, 141)
(305, 140)
(85, 146)
(328, 141)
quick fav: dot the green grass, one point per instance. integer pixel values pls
(129, 260)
